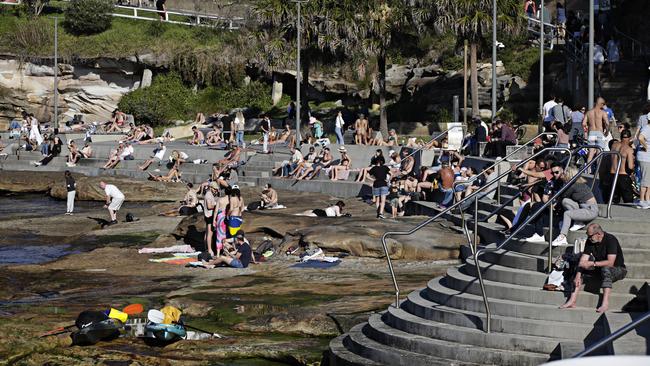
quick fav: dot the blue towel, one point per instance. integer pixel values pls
(316, 264)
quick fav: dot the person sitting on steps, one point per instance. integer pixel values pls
(602, 255)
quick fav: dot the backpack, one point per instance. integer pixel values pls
(89, 317)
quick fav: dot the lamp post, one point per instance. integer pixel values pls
(541, 66)
(56, 75)
(494, 59)
(298, 73)
(590, 93)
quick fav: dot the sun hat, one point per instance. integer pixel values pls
(214, 185)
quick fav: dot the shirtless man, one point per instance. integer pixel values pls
(361, 130)
(236, 204)
(269, 197)
(198, 138)
(447, 184)
(623, 187)
(596, 123)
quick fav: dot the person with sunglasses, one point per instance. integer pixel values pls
(542, 220)
(602, 255)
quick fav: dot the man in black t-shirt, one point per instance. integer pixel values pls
(380, 173)
(235, 259)
(602, 253)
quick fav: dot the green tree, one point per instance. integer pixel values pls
(472, 21)
(86, 17)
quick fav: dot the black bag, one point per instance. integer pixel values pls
(131, 218)
(204, 256)
(89, 317)
(253, 206)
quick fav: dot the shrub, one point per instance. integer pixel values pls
(33, 36)
(85, 17)
(166, 99)
(256, 96)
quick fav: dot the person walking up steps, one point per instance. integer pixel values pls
(114, 200)
(71, 186)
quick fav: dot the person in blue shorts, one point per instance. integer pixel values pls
(239, 258)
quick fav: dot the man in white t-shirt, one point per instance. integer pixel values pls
(548, 106)
(127, 153)
(114, 200)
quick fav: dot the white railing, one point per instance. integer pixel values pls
(9, 2)
(191, 18)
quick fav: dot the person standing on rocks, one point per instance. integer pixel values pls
(266, 129)
(236, 204)
(380, 173)
(71, 186)
(162, 9)
(602, 255)
(209, 204)
(114, 200)
(338, 129)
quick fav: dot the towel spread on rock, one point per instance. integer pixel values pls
(172, 249)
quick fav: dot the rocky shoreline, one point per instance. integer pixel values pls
(270, 313)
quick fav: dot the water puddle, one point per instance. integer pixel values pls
(33, 254)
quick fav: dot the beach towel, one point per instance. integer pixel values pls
(172, 249)
(316, 264)
(174, 260)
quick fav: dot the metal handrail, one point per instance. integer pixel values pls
(430, 141)
(448, 209)
(505, 158)
(531, 217)
(642, 47)
(614, 336)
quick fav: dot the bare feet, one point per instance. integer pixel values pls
(568, 305)
(603, 308)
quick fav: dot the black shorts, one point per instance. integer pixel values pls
(208, 220)
(320, 212)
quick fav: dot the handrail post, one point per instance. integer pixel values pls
(135, 12)
(498, 182)
(550, 237)
(475, 223)
(611, 194)
(593, 181)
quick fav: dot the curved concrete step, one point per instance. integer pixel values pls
(366, 347)
(401, 319)
(627, 240)
(421, 306)
(460, 281)
(470, 299)
(538, 263)
(340, 355)
(381, 332)
(497, 273)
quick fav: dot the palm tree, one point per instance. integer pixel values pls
(471, 20)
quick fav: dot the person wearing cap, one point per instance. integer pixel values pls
(623, 189)
(236, 204)
(209, 204)
(269, 197)
(342, 170)
(239, 258)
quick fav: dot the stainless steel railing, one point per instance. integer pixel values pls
(547, 204)
(614, 336)
(430, 141)
(448, 209)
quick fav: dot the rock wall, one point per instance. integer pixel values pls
(91, 88)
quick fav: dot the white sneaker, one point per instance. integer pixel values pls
(560, 240)
(576, 227)
(156, 170)
(38, 163)
(536, 239)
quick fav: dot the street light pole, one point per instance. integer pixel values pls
(56, 75)
(541, 66)
(590, 93)
(298, 73)
(494, 59)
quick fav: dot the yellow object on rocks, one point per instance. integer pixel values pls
(172, 314)
(116, 314)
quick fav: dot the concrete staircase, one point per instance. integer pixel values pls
(443, 323)
(627, 93)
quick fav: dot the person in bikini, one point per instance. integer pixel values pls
(236, 207)
(361, 130)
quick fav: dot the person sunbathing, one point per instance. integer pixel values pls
(174, 175)
(74, 154)
(114, 157)
(214, 137)
(198, 138)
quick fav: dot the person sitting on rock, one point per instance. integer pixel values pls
(268, 197)
(178, 157)
(74, 154)
(197, 137)
(114, 157)
(241, 257)
(86, 151)
(55, 150)
(335, 210)
(363, 172)
(342, 170)
(188, 204)
(116, 122)
(324, 161)
(230, 161)
(602, 256)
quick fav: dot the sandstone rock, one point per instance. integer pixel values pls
(38, 70)
(146, 78)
